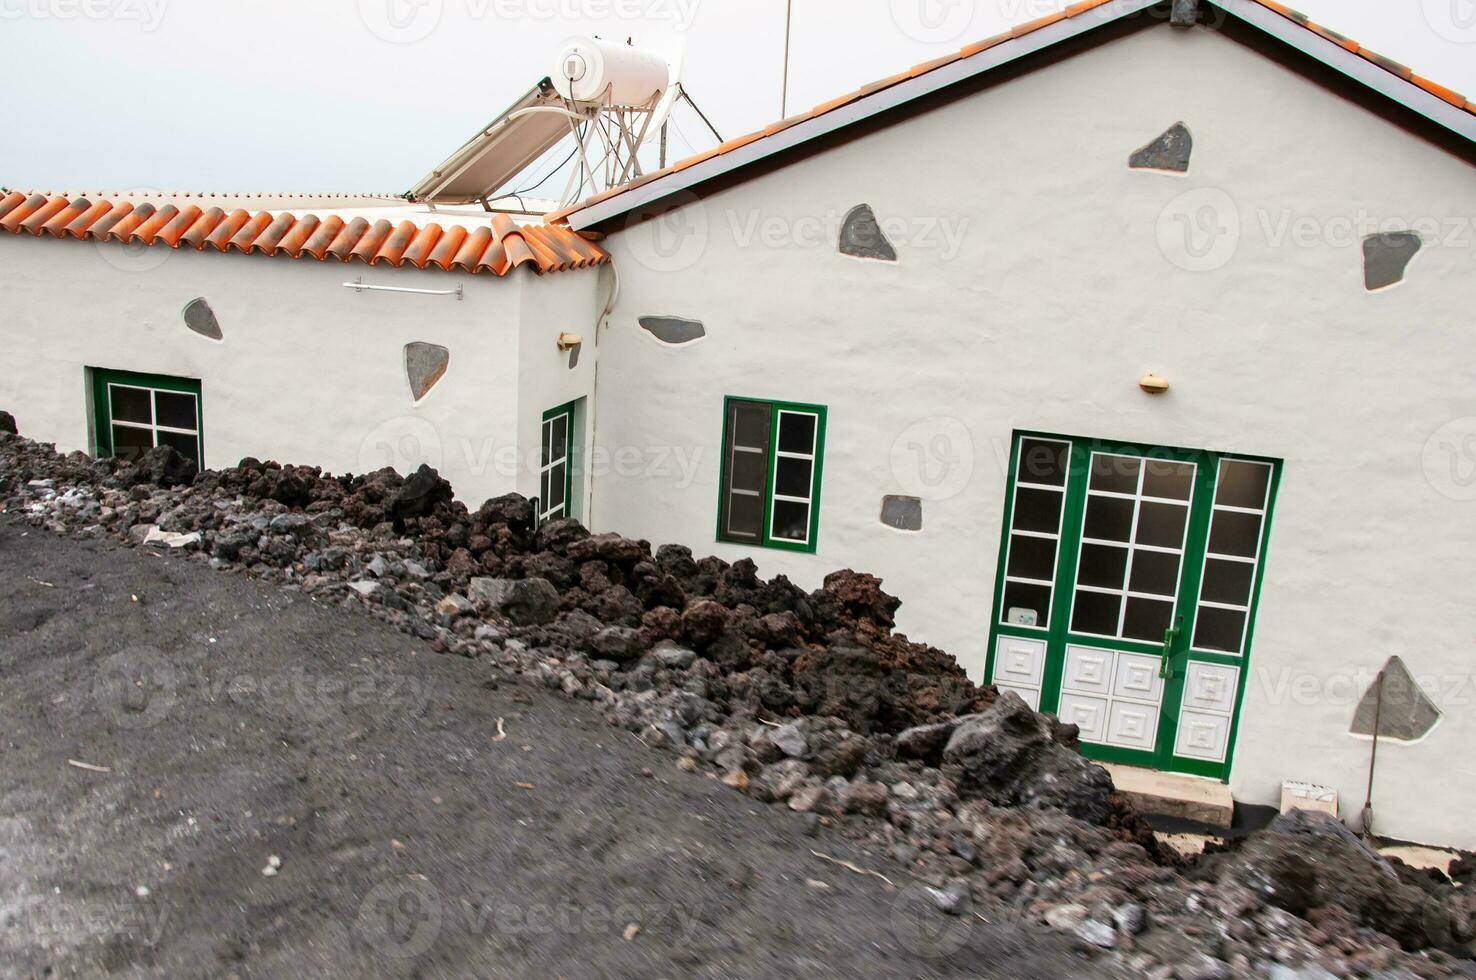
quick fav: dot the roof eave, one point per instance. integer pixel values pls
(1459, 120)
(852, 112)
(1353, 65)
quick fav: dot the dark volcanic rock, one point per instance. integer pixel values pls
(526, 602)
(7, 423)
(161, 466)
(419, 495)
(1009, 755)
(1306, 860)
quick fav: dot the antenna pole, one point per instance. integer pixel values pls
(784, 97)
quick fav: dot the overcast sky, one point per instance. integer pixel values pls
(369, 95)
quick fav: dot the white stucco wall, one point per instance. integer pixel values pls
(1059, 294)
(307, 371)
(554, 305)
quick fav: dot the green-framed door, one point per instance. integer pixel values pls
(1125, 599)
(556, 470)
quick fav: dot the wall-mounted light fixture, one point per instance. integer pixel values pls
(1153, 384)
(568, 341)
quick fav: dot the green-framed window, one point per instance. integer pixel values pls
(133, 413)
(1125, 599)
(773, 458)
(556, 467)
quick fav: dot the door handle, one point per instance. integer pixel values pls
(1170, 635)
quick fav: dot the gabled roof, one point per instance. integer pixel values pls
(497, 246)
(1444, 106)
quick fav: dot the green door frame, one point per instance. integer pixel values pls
(567, 411)
(1057, 634)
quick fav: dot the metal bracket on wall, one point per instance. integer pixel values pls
(359, 285)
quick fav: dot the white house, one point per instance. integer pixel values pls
(1128, 349)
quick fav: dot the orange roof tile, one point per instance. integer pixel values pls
(560, 217)
(503, 246)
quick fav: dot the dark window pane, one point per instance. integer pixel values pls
(1116, 474)
(748, 470)
(1219, 629)
(1242, 484)
(1102, 566)
(559, 438)
(543, 490)
(1032, 557)
(1037, 510)
(796, 433)
(791, 521)
(1095, 612)
(1162, 478)
(557, 479)
(175, 410)
(1161, 525)
(1234, 533)
(186, 446)
(745, 516)
(792, 477)
(1227, 581)
(1043, 462)
(750, 426)
(1109, 519)
(130, 443)
(1021, 599)
(130, 404)
(1147, 620)
(1156, 572)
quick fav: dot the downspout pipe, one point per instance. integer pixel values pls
(594, 387)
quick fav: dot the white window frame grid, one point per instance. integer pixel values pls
(546, 469)
(1004, 612)
(1132, 546)
(774, 495)
(153, 428)
(1253, 562)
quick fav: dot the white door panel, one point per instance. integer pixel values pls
(1132, 726)
(1088, 670)
(1137, 678)
(1202, 736)
(1030, 695)
(1211, 687)
(1088, 714)
(1019, 661)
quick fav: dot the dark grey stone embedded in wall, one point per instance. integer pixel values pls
(199, 317)
(673, 329)
(1406, 713)
(1185, 13)
(424, 366)
(1387, 255)
(1170, 152)
(903, 513)
(862, 237)
(574, 356)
